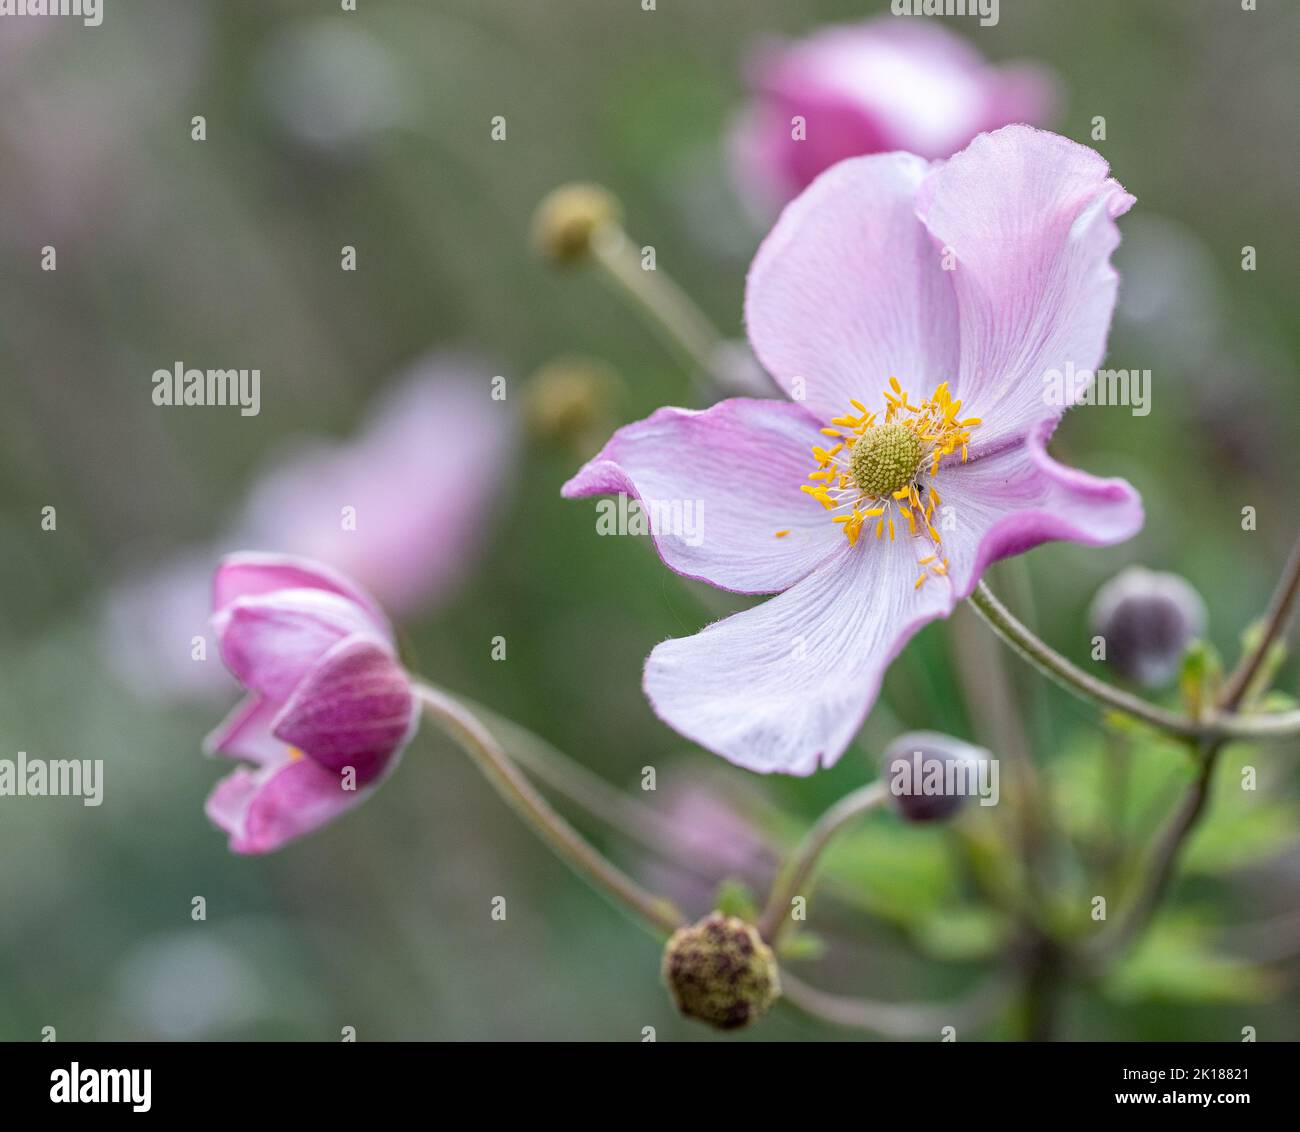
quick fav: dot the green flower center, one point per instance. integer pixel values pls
(885, 459)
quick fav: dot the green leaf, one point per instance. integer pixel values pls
(892, 870)
(961, 934)
(799, 945)
(1242, 826)
(735, 899)
(1199, 678)
(1274, 656)
(1174, 963)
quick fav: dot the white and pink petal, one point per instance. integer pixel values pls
(263, 809)
(1027, 219)
(354, 710)
(1008, 502)
(272, 640)
(849, 290)
(717, 486)
(256, 574)
(785, 686)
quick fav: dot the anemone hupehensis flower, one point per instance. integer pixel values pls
(329, 708)
(911, 311)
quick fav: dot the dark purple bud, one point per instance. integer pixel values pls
(928, 774)
(1145, 621)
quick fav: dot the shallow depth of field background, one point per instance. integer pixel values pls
(226, 253)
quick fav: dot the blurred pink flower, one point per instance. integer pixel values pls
(873, 87)
(329, 708)
(402, 508)
(713, 840)
(847, 291)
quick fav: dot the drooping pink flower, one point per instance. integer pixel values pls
(906, 497)
(329, 707)
(872, 87)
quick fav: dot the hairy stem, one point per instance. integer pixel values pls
(563, 839)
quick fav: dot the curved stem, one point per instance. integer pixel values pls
(632, 819)
(1169, 848)
(1222, 725)
(1071, 677)
(800, 866)
(897, 1019)
(679, 322)
(567, 843)
(1275, 623)
(1163, 861)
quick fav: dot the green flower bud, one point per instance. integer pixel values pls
(568, 219)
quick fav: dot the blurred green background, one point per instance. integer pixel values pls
(226, 252)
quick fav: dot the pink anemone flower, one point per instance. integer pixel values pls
(912, 453)
(872, 87)
(329, 708)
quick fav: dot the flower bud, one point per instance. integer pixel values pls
(1146, 620)
(569, 217)
(928, 773)
(569, 401)
(721, 972)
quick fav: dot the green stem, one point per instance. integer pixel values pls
(799, 868)
(1168, 849)
(1223, 725)
(897, 1019)
(632, 819)
(1275, 622)
(681, 325)
(566, 842)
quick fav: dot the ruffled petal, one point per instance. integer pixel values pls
(264, 809)
(251, 574)
(718, 486)
(848, 290)
(786, 685)
(354, 709)
(1029, 218)
(1008, 502)
(270, 642)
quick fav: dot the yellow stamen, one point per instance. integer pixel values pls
(860, 472)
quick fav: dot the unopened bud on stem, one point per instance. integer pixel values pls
(1147, 620)
(721, 972)
(570, 217)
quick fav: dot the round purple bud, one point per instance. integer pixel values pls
(1146, 621)
(928, 774)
